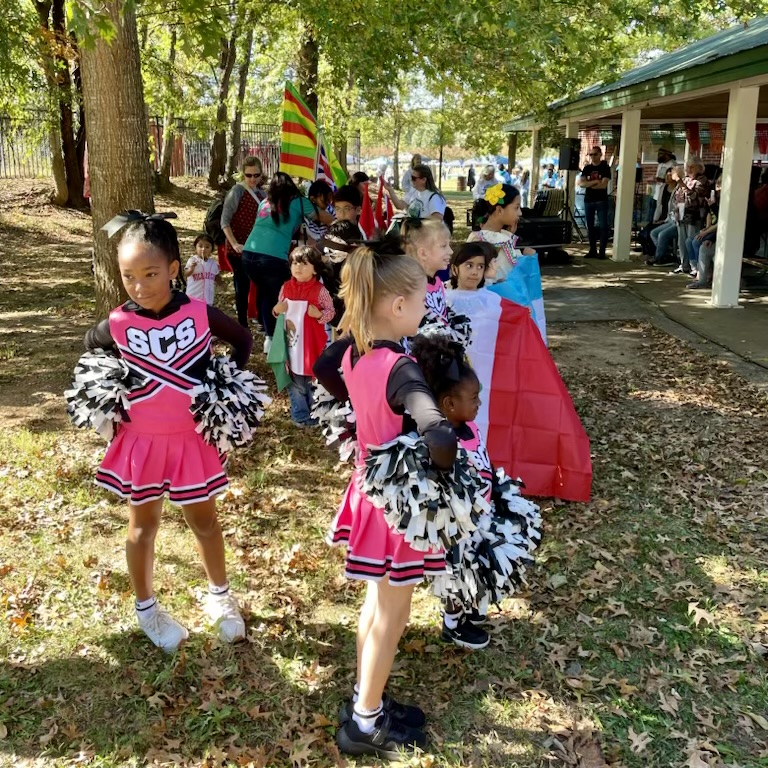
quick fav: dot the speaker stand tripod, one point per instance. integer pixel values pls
(568, 214)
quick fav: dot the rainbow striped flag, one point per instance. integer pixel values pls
(298, 148)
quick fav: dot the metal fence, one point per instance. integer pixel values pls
(25, 152)
(24, 149)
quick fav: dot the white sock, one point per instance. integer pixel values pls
(355, 693)
(146, 607)
(365, 719)
(451, 620)
(219, 591)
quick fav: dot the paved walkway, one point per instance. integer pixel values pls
(599, 291)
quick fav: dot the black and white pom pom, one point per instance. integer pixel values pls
(98, 395)
(228, 404)
(337, 420)
(491, 564)
(431, 508)
(461, 327)
(457, 327)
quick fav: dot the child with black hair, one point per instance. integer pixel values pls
(165, 338)
(307, 306)
(348, 202)
(456, 388)
(470, 265)
(339, 241)
(201, 271)
(321, 195)
(498, 213)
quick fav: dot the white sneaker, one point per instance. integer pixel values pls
(267, 344)
(163, 630)
(224, 614)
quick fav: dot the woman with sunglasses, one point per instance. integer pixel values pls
(237, 219)
(424, 200)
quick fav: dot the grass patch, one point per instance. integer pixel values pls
(639, 642)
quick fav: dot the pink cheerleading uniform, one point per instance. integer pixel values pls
(477, 454)
(374, 550)
(158, 450)
(435, 298)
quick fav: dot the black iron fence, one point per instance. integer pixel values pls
(25, 150)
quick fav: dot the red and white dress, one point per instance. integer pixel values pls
(374, 550)
(158, 451)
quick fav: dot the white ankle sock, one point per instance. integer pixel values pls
(220, 590)
(355, 693)
(145, 607)
(365, 719)
(451, 620)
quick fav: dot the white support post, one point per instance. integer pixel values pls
(625, 199)
(535, 166)
(734, 197)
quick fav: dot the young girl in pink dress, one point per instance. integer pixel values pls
(384, 295)
(429, 242)
(165, 337)
(457, 391)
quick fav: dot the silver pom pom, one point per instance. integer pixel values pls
(491, 564)
(98, 395)
(228, 404)
(430, 508)
(337, 420)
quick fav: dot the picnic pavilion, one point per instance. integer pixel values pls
(706, 98)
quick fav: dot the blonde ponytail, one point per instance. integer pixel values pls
(368, 276)
(357, 291)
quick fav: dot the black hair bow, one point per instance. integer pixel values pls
(450, 366)
(115, 224)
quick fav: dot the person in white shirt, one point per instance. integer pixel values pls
(405, 183)
(424, 200)
(201, 271)
(667, 161)
(487, 179)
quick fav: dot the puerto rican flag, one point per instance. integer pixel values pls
(527, 415)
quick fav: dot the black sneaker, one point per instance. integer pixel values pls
(465, 635)
(476, 618)
(408, 715)
(389, 739)
(591, 255)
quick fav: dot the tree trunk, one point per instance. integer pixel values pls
(219, 147)
(72, 165)
(242, 84)
(396, 151)
(61, 196)
(118, 149)
(49, 62)
(169, 136)
(309, 59)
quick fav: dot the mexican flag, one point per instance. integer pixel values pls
(526, 415)
(305, 337)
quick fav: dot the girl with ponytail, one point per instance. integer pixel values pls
(383, 290)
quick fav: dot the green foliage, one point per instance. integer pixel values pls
(22, 81)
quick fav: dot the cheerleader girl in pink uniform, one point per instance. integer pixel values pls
(165, 337)
(429, 242)
(457, 391)
(384, 295)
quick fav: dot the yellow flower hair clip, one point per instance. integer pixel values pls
(495, 195)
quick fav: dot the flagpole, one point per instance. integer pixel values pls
(318, 144)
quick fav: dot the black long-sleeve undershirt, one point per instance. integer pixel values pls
(222, 327)
(406, 391)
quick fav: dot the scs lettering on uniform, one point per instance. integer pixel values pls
(162, 343)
